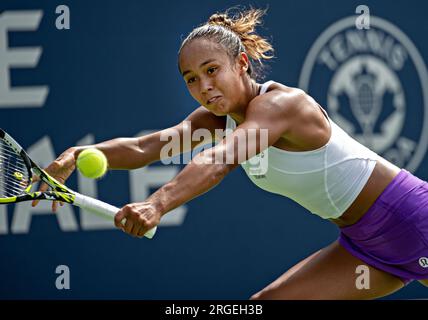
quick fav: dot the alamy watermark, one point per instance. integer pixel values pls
(363, 20)
(62, 22)
(363, 280)
(62, 282)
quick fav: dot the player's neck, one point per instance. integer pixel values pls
(252, 90)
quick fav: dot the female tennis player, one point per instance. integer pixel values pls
(381, 210)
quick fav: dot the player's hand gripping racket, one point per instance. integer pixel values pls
(16, 173)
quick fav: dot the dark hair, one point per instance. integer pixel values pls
(236, 33)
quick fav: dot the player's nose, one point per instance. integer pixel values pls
(206, 86)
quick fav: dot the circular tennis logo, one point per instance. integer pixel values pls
(374, 84)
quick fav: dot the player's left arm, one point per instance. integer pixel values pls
(272, 113)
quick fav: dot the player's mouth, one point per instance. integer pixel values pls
(213, 100)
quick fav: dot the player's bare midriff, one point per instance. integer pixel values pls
(382, 175)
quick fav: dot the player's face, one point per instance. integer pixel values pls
(211, 77)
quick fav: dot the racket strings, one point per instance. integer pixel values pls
(14, 177)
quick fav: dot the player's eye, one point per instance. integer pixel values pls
(190, 80)
(211, 70)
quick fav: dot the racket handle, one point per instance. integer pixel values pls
(103, 209)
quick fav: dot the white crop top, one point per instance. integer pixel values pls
(325, 181)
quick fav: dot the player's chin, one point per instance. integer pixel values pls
(219, 110)
(219, 114)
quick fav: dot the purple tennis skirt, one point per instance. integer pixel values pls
(393, 234)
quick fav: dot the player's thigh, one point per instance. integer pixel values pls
(331, 273)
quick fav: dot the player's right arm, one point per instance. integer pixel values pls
(132, 153)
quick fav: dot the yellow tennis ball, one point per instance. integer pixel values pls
(92, 163)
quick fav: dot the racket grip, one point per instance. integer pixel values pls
(103, 209)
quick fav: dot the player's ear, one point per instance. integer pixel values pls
(243, 62)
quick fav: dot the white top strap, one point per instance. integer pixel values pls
(266, 86)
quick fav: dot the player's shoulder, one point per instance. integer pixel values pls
(279, 98)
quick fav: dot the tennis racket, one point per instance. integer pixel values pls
(16, 176)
